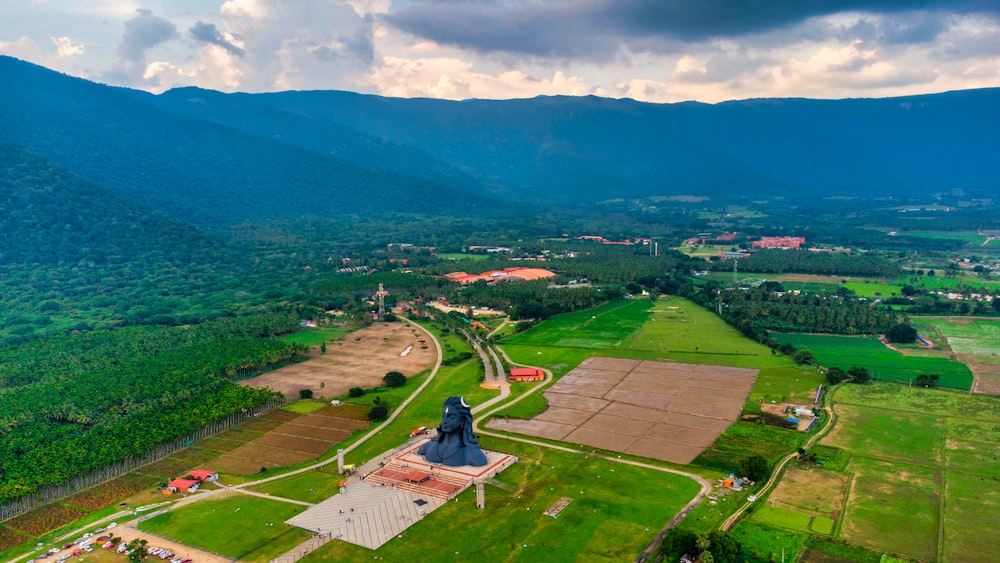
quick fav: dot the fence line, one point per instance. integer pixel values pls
(79, 483)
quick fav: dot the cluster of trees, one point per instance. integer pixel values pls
(855, 374)
(715, 547)
(756, 311)
(535, 299)
(776, 261)
(74, 403)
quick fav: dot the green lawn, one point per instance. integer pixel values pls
(606, 326)
(884, 364)
(615, 512)
(873, 289)
(316, 336)
(247, 522)
(460, 256)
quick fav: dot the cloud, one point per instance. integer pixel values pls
(305, 44)
(24, 48)
(455, 79)
(144, 31)
(216, 70)
(597, 29)
(65, 47)
(208, 33)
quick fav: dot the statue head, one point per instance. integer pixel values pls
(456, 418)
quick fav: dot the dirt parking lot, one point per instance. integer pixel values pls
(361, 359)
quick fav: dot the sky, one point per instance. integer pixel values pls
(648, 50)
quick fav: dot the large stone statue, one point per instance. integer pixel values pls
(454, 444)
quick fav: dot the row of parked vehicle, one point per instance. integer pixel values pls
(77, 547)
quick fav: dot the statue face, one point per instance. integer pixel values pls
(450, 420)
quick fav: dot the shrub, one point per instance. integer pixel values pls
(394, 379)
(378, 412)
(355, 392)
(902, 334)
(305, 393)
(755, 468)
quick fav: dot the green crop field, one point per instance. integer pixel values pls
(247, 520)
(460, 256)
(893, 507)
(606, 326)
(766, 543)
(884, 364)
(970, 335)
(909, 448)
(871, 289)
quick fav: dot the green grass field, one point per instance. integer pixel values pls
(460, 256)
(615, 512)
(909, 448)
(893, 507)
(767, 543)
(873, 289)
(316, 336)
(884, 364)
(606, 326)
(247, 521)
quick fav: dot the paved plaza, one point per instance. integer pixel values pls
(382, 501)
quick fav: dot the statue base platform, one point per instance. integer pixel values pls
(393, 493)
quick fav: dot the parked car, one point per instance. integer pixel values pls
(112, 525)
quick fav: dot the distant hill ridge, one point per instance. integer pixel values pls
(212, 157)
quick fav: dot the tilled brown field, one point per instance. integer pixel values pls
(292, 438)
(660, 410)
(361, 359)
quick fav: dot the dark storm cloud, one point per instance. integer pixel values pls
(208, 33)
(142, 32)
(597, 28)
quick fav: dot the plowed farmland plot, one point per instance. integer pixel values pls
(294, 443)
(110, 492)
(661, 410)
(46, 518)
(297, 439)
(9, 538)
(361, 359)
(333, 435)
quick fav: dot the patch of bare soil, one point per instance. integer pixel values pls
(986, 377)
(361, 359)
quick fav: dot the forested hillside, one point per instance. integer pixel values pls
(73, 404)
(192, 169)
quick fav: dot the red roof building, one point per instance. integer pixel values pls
(526, 374)
(183, 486)
(779, 242)
(203, 475)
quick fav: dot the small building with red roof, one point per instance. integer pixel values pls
(203, 475)
(526, 374)
(182, 486)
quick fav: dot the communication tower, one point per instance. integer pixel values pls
(381, 293)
